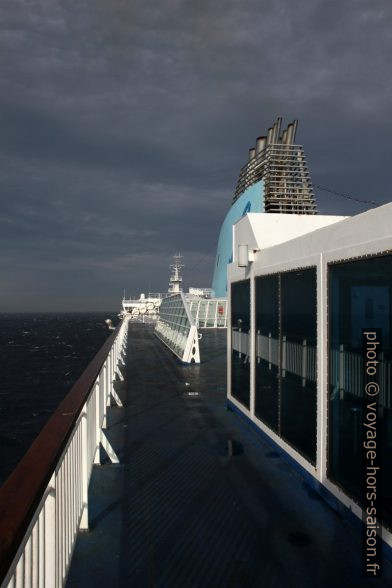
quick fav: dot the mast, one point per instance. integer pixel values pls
(176, 277)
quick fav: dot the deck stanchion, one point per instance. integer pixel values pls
(98, 392)
(50, 547)
(83, 525)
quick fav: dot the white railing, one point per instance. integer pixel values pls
(176, 328)
(209, 313)
(346, 375)
(44, 554)
(297, 358)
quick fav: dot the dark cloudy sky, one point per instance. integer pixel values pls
(123, 125)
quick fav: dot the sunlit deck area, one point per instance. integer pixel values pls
(199, 499)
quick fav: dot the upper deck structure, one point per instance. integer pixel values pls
(275, 180)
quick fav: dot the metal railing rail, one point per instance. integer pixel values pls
(44, 502)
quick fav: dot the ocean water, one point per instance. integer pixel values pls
(42, 355)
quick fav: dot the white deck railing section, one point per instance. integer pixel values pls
(209, 313)
(177, 329)
(45, 553)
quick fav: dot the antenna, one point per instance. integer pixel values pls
(176, 277)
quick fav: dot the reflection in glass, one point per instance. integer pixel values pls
(240, 335)
(298, 367)
(267, 350)
(359, 298)
(286, 340)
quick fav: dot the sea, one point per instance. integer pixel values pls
(42, 355)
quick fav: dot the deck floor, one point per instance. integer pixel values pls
(181, 511)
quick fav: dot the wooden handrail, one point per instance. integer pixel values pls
(23, 490)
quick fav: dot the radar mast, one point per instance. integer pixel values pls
(176, 277)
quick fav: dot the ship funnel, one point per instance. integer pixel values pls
(280, 163)
(291, 132)
(260, 144)
(276, 128)
(295, 126)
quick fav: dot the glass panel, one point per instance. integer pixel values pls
(267, 350)
(202, 313)
(360, 294)
(240, 327)
(285, 371)
(298, 360)
(221, 313)
(211, 313)
(173, 326)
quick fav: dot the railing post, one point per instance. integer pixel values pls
(50, 547)
(108, 378)
(98, 384)
(83, 525)
(104, 393)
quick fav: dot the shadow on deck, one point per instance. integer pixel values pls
(198, 499)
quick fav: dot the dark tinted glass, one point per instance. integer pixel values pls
(360, 294)
(267, 350)
(240, 336)
(286, 337)
(298, 360)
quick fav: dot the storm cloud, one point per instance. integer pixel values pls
(123, 126)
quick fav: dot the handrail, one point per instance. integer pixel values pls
(24, 489)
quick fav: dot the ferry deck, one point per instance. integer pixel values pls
(198, 498)
(157, 473)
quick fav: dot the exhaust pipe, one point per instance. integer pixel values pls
(260, 144)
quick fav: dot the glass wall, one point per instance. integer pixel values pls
(209, 313)
(359, 298)
(174, 324)
(267, 350)
(240, 335)
(298, 369)
(286, 341)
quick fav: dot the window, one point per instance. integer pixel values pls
(286, 340)
(240, 334)
(360, 297)
(267, 350)
(298, 368)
